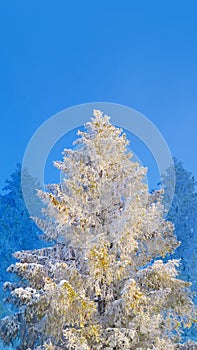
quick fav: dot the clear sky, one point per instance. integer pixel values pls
(56, 54)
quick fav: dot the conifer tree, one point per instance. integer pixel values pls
(103, 285)
(183, 215)
(17, 230)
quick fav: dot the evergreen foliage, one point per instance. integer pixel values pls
(17, 230)
(103, 285)
(183, 214)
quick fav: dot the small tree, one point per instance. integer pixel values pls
(103, 285)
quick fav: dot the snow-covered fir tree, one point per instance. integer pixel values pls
(17, 230)
(183, 214)
(103, 285)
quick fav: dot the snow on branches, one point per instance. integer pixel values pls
(103, 284)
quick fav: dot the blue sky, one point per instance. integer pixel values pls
(55, 55)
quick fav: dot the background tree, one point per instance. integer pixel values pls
(183, 214)
(17, 230)
(103, 285)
